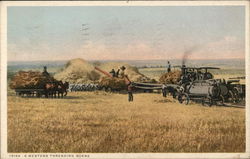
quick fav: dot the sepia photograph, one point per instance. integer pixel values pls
(124, 79)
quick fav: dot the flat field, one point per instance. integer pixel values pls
(107, 122)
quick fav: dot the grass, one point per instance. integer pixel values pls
(107, 122)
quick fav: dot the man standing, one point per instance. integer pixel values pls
(45, 73)
(164, 91)
(122, 74)
(169, 67)
(130, 92)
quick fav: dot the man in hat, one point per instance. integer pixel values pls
(122, 71)
(45, 73)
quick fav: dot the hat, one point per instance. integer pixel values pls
(123, 68)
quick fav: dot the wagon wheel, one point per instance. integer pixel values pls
(203, 101)
(183, 98)
(221, 100)
(207, 101)
(108, 89)
(39, 94)
(103, 88)
(236, 95)
(231, 97)
(210, 101)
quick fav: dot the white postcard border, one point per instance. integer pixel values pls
(3, 86)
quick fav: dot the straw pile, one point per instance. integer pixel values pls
(171, 77)
(29, 80)
(78, 71)
(81, 71)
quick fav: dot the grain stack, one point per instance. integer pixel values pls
(29, 80)
(81, 71)
(78, 71)
(170, 77)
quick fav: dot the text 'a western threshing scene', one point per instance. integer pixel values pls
(126, 79)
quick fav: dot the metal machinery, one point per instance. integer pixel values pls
(110, 83)
(208, 91)
(198, 84)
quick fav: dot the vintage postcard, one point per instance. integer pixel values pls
(125, 79)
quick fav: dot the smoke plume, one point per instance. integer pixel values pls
(187, 53)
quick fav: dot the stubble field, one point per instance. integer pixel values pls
(107, 122)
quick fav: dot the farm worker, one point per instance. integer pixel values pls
(117, 73)
(164, 91)
(169, 67)
(45, 73)
(112, 72)
(123, 71)
(130, 92)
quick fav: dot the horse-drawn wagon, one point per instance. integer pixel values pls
(37, 84)
(30, 92)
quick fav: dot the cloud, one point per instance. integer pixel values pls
(27, 52)
(226, 47)
(136, 50)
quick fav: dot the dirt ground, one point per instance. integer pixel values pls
(107, 122)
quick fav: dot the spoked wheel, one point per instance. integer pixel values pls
(236, 95)
(207, 101)
(183, 98)
(109, 89)
(103, 89)
(221, 100)
(231, 97)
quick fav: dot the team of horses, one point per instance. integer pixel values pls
(56, 89)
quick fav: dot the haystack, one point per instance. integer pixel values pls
(81, 71)
(78, 71)
(29, 80)
(170, 77)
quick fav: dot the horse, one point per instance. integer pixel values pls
(62, 88)
(49, 89)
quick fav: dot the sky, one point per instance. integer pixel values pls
(125, 32)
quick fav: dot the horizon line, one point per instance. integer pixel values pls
(122, 60)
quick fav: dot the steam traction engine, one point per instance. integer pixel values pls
(198, 84)
(208, 91)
